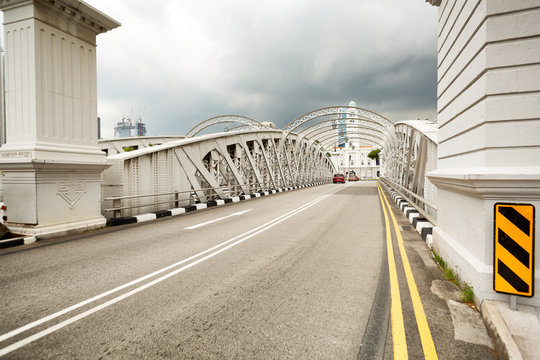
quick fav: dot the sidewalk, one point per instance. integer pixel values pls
(515, 334)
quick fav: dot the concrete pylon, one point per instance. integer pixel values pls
(51, 162)
(489, 132)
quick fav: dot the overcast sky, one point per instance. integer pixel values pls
(179, 62)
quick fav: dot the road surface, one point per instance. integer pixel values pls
(288, 276)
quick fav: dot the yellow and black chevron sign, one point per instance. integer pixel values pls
(513, 265)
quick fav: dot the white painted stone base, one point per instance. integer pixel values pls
(59, 229)
(464, 236)
(45, 198)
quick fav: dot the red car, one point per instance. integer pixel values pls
(339, 178)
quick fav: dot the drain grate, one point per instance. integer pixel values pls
(406, 227)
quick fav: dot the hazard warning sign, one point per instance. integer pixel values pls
(513, 265)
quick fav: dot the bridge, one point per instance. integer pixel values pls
(468, 185)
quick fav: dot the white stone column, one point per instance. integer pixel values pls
(51, 161)
(489, 129)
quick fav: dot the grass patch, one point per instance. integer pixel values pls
(450, 275)
(467, 293)
(447, 270)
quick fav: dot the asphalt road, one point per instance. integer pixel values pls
(288, 276)
(300, 286)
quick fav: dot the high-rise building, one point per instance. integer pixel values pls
(128, 128)
(140, 127)
(342, 127)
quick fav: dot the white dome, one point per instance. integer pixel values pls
(352, 103)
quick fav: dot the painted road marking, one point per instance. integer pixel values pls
(513, 265)
(396, 313)
(230, 243)
(423, 327)
(213, 221)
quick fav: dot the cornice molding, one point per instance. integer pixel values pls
(76, 10)
(495, 183)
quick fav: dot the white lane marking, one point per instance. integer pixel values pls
(121, 287)
(219, 219)
(82, 315)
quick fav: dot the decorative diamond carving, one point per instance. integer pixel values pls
(71, 190)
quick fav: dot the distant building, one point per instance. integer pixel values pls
(354, 159)
(128, 128)
(141, 128)
(342, 127)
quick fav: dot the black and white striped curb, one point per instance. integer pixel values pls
(206, 205)
(22, 240)
(419, 223)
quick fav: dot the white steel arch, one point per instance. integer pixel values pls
(348, 111)
(224, 119)
(338, 115)
(373, 140)
(329, 131)
(349, 121)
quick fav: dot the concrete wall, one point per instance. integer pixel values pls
(489, 128)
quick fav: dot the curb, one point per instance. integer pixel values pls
(200, 206)
(503, 342)
(4, 244)
(420, 224)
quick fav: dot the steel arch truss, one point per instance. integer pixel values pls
(371, 140)
(330, 133)
(215, 166)
(347, 112)
(224, 119)
(313, 131)
(414, 156)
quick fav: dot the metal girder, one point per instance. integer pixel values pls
(329, 132)
(215, 166)
(368, 138)
(352, 111)
(239, 128)
(117, 145)
(333, 123)
(316, 130)
(224, 119)
(413, 157)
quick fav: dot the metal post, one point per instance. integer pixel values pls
(513, 302)
(116, 204)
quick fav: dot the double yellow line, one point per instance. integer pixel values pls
(398, 328)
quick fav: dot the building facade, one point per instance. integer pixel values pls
(354, 158)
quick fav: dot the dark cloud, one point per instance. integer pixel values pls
(180, 62)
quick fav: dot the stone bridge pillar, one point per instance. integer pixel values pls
(51, 163)
(489, 129)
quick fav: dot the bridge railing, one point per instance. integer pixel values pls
(150, 179)
(190, 197)
(425, 208)
(406, 165)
